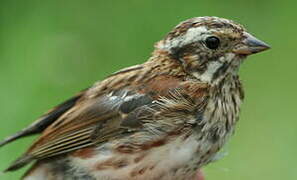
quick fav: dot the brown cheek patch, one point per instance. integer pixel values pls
(191, 63)
(84, 153)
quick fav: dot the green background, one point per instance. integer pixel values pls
(49, 50)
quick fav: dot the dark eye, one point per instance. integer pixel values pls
(212, 42)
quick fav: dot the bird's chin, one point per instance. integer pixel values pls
(240, 57)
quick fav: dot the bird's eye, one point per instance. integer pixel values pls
(212, 42)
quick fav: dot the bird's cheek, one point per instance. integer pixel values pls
(228, 57)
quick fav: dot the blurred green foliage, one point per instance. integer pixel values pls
(49, 50)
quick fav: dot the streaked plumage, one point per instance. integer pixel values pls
(163, 119)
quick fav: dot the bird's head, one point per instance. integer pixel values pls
(210, 47)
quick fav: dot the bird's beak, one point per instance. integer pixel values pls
(250, 45)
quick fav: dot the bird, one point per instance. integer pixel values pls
(164, 119)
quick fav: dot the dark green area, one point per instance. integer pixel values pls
(49, 50)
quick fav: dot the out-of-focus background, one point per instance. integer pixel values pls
(49, 50)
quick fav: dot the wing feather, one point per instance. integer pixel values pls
(95, 119)
(87, 123)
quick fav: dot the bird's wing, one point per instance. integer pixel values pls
(109, 110)
(76, 128)
(55, 113)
